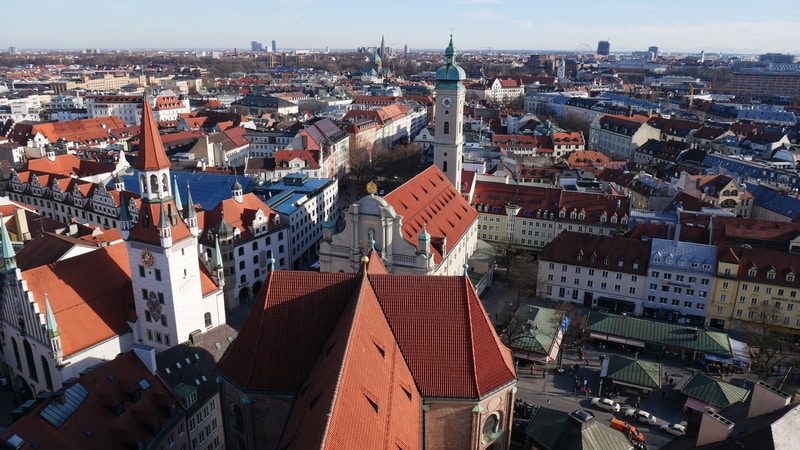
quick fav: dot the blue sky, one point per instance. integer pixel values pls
(733, 26)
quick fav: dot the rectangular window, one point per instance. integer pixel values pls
(719, 309)
(141, 271)
(589, 283)
(789, 306)
(653, 286)
(738, 313)
(619, 276)
(687, 304)
(756, 288)
(676, 302)
(158, 274)
(651, 298)
(603, 286)
(576, 281)
(724, 285)
(632, 290)
(563, 279)
(744, 286)
(662, 300)
(577, 270)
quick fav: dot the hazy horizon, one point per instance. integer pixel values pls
(680, 26)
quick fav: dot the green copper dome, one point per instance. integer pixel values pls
(450, 71)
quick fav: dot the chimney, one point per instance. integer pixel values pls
(713, 428)
(24, 233)
(766, 398)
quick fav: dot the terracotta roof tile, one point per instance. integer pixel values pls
(429, 200)
(89, 306)
(151, 149)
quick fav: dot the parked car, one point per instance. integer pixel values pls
(641, 416)
(605, 403)
(675, 429)
(629, 430)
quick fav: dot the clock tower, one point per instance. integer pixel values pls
(163, 251)
(448, 114)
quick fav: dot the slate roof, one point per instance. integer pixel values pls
(663, 333)
(193, 364)
(634, 371)
(48, 248)
(776, 201)
(713, 392)
(598, 251)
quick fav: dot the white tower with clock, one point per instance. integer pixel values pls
(448, 111)
(173, 296)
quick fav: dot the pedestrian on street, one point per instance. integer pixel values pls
(586, 361)
(533, 369)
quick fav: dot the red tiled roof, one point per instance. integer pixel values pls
(363, 379)
(89, 306)
(238, 215)
(151, 149)
(94, 422)
(429, 200)
(439, 324)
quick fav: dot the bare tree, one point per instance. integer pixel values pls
(772, 342)
(522, 271)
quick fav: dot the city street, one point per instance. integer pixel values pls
(555, 390)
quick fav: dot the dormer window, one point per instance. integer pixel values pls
(624, 221)
(771, 275)
(603, 218)
(606, 260)
(613, 219)
(790, 276)
(562, 214)
(581, 216)
(620, 262)
(751, 272)
(579, 257)
(572, 215)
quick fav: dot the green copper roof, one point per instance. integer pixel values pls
(176, 194)
(450, 71)
(532, 329)
(9, 256)
(663, 333)
(124, 214)
(713, 392)
(578, 430)
(190, 212)
(634, 371)
(52, 326)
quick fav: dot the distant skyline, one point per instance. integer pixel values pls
(678, 26)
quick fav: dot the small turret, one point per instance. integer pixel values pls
(219, 269)
(52, 332)
(236, 191)
(176, 195)
(9, 255)
(189, 213)
(164, 228)
(119, 185)
(424, 241)
(125, 221)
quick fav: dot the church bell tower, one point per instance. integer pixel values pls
(448, 112)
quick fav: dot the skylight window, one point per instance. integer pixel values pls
(144, 384)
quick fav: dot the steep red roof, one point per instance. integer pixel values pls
(146, 228)
(89, 307)
(439, 324)
(151, 150)
(362, 378)
(429, 200)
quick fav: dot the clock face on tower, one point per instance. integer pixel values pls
(147, 258)
(447, 101)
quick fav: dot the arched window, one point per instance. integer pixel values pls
(241, 265)
(153, 183)
(144, 184)
(46, 370)
(447, 128)
(29, 358)
(164, 184)
(16, 354)
(207, 318)
(238, 419)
